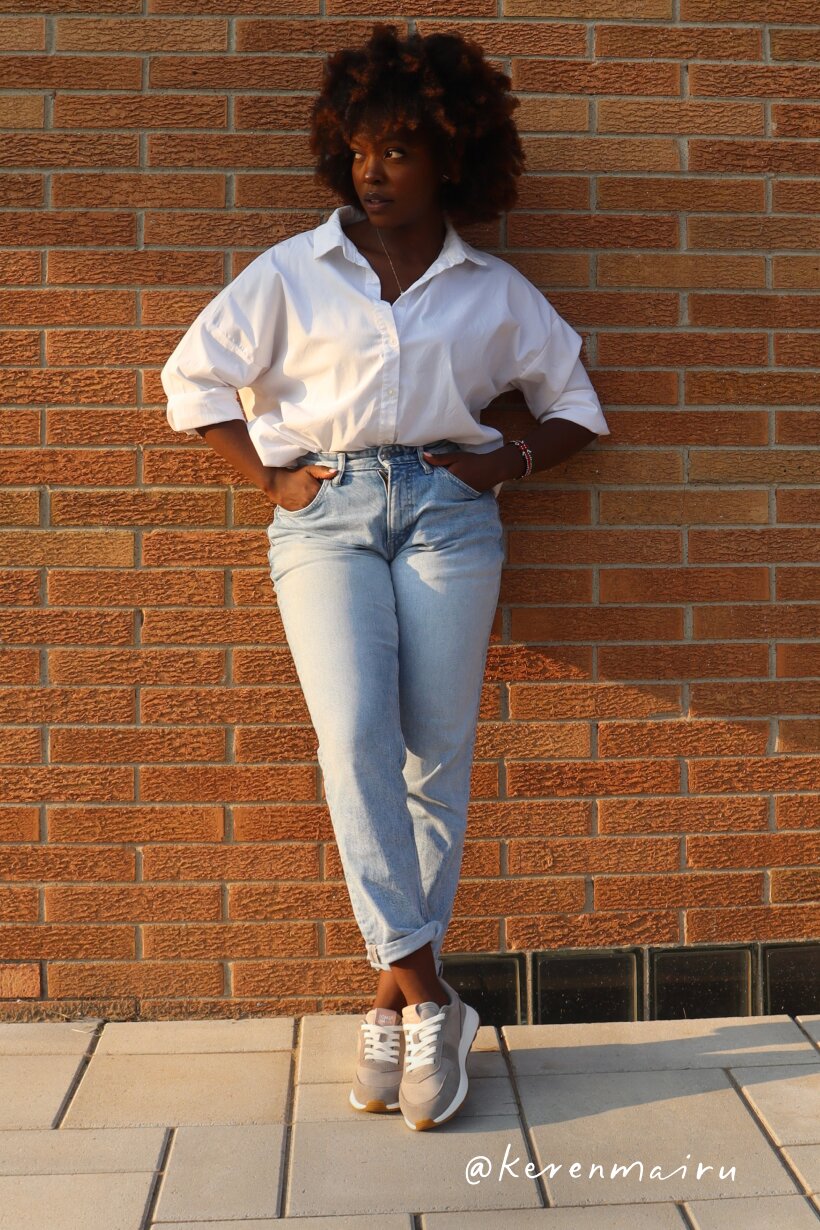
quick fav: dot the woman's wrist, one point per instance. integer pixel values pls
(511, 462)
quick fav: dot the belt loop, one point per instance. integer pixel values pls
(341, 457)
(425, 465)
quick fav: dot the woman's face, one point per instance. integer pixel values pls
(398, 167)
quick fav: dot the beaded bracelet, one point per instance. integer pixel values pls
(525, 449)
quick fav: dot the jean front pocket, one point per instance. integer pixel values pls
(454, 478)
(307, 508)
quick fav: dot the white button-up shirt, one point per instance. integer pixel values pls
(320, 362)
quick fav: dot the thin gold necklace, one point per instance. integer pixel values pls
(392, 266)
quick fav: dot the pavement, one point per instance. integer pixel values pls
(715, 1125)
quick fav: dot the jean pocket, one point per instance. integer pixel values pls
(454, 478)
(299, 512)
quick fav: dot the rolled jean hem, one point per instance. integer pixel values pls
(380, 955)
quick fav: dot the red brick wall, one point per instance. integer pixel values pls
(647, 766)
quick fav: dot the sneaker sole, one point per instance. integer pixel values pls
(375, 1106)
(471, 1024)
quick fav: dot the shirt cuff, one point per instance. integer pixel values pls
(186, 412)
(577, 402)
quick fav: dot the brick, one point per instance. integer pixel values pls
(761, 621)
(111, 745)
(593, 854)
(677, 891)
(19, 980)
(796, 885)
(690, 506)
(768, 546)
(797, 427)
(772, 465)
(19, 666)
(800, 504)
(685, 661)
(753, 850)
(757, 698)
(99, 978)
(81, 548)
(206, 784)
(118, 587)
(545, 585)
(684, 584)
(798, 811)
(167, 941)
(582, 778)
(591, 700)
(798, 736)
(682, 738)
(752, 923)
(615, 930)
(683, 814)
(797, 583)
(38, 704)
(35, 782)
(137, 822)
(19, 587)
(136, 666)
(150, 903)
(604, 546)
(19, 824)
(627, 623)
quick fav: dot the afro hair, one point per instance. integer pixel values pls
(440, 85)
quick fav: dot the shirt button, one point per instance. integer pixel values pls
(391, 391)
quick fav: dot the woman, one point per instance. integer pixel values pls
(366, 349)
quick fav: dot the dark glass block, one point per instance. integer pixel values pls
(695, 982)
(490, 984)
(792, 979)
(582, 986)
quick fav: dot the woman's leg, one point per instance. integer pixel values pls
(335, 597)
(446, 579)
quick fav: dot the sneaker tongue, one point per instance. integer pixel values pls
(420, 1012)
(382, 1016)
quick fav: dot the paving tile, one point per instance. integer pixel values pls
(34, 1088)
(806, 1161)
(196, 1037)
(647, 1046)
(619, 1217)
(652, 1118)
(74, 1201)
(142, 1090)
(329, 1103)
(384, 1167)
(766, 1213)
(62, 1151)
(227, 1172)
(397, 1221)
(47, 1037)
(787, 1099)
(327, 1051)
(811, 1024)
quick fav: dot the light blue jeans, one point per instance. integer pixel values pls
(387, 584)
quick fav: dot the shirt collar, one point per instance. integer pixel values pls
(329, 235)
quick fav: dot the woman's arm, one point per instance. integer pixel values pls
(232, 441)
(552, 442)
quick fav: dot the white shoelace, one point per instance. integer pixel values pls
(420, 1041)
(378, 1047)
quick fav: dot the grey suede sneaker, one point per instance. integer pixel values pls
(437, 1041)
(379, 1059)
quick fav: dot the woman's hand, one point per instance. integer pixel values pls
(478, 470)
(294, 489)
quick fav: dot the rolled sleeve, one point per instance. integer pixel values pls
(201, 378)
(229, 344)
(554, 382)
